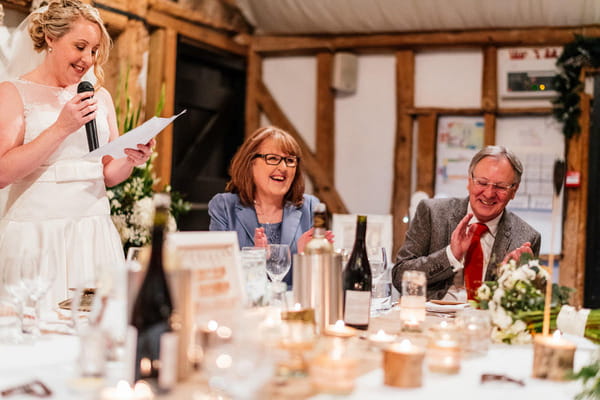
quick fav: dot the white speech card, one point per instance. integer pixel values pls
(129, 140)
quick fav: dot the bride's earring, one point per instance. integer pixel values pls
(49, 49)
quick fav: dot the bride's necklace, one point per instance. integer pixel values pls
(267, 218)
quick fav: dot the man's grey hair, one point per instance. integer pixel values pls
(498, 152)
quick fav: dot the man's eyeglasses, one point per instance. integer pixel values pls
(274, 159)
(482, 183)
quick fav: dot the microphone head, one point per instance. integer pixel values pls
(85, 86)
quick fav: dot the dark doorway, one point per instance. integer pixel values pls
(212, 87)
(592, 262)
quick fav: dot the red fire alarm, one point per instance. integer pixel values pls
(573, 179)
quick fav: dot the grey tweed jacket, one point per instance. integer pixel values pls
(430, 231)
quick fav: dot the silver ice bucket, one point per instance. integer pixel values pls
(318, 285)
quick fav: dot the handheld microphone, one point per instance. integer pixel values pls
(90, 126)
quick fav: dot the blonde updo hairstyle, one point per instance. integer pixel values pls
(58, 20)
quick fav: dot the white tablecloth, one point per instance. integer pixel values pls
(515, 361)
(53, 360)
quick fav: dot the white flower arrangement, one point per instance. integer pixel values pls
(132, 209)
(516, 297)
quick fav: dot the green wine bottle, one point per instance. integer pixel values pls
(357, 281)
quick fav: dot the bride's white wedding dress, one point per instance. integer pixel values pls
(60, 212)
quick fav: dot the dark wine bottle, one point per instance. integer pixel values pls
(357, 281)
(153, 307)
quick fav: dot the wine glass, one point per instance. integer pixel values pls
(381, 292)
(38, 274)
(237, 363)
(279, 261)
(15, 291)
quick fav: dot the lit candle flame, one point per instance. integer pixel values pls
(556, 336)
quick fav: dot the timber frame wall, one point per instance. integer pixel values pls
(139, 25)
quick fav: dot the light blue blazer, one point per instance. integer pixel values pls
(227, 213)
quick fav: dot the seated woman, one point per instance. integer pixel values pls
(266, 201)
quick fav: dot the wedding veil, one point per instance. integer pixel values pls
(20, 55)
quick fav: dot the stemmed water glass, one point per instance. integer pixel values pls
(12, 284)
(279, 261)
(38, 275)
(381, 282)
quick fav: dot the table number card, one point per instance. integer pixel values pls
(213, 262)
(206, 281)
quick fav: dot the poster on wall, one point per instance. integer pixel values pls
(459, 138)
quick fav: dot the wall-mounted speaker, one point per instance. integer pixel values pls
(345, 72)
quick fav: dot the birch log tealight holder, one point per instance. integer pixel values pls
(553, 357)
(403, 365)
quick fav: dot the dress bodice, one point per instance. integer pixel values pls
(42, 106)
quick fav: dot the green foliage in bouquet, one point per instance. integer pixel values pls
(516, 302)
(131, 204)
(590, 376)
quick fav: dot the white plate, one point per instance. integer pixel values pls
(445, 308)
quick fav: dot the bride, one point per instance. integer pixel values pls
(57, 209)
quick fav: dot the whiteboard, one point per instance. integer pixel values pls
(536, 140)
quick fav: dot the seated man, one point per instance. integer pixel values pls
(443, 238)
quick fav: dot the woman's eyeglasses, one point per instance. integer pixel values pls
(482, 183)
(274, 159)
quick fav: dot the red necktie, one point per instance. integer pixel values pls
(474, 261)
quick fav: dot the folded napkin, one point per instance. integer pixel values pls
(445, 306)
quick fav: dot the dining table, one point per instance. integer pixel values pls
(53, 360)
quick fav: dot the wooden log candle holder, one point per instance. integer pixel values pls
(403, 365)
(552, 357)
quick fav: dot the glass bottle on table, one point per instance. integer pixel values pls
(357, 280)
(319, 244)
(153, 307)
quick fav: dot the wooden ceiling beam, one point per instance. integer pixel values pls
(315, 171)
(202, 34)
(394, 41)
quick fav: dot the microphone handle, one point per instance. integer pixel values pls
(92, 136)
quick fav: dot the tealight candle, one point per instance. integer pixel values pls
(297, 337)
(403, 365)
(123, 391)
(339, 329)
(380, 339)
(443, 351)
(412, 302)
(334, 371)
(553, 357)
